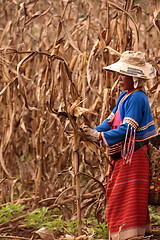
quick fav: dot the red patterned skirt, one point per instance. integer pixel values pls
(127, 198)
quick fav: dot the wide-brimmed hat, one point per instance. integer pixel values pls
(133, 64)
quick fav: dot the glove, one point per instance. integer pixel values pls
(90, 134)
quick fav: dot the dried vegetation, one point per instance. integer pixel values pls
(51, 81)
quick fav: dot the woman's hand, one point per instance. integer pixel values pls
(90, 134)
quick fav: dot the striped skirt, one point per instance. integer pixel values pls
(127, 198)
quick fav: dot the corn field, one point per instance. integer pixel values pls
(52, 81)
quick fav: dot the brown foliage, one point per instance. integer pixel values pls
(51, 81)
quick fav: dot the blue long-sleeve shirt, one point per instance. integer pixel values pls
(135, 113)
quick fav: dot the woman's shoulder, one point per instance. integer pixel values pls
(139, 94)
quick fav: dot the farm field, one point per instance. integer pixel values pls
(52, 54)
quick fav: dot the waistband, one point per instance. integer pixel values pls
(117, 156)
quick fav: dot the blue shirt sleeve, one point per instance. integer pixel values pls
(104, 126)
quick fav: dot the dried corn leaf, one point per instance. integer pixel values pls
(92, 147)
(45, 233)
(37, 15)
(5, 31)
(3, 164)
(139, 14)
(69, 38)
(77, 111)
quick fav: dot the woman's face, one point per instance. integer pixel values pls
(125, 82)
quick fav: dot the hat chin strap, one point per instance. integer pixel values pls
(138, 82)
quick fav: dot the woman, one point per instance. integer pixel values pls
(125, 133)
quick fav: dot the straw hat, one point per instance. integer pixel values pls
(133, 64)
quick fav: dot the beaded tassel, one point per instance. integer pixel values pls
(129, 144)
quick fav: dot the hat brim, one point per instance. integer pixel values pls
(146, 71)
